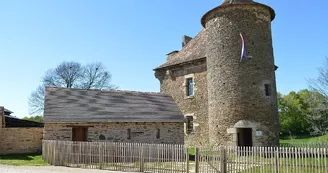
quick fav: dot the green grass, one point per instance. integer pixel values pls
(305, 139)
(192, 151)
(23, 160)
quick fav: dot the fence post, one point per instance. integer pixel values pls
(54, 153)
(187, 160)
(142, 159)
(100, 155)
(223, 160)
(276, 159)
(196, 160)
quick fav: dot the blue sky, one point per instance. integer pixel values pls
(132, 37)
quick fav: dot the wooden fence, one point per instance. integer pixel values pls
(305, 145)
(134, 157)
(130, 157)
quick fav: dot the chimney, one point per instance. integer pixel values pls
(185, 40)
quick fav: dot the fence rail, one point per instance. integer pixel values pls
(134, 157)
(129, 157)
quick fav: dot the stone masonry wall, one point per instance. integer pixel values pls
(236, 90)
(20, 140)
(172, 82)
(170, 133)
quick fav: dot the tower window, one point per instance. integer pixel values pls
(267, 89)
(190, 124)
(129, 134)
(190, 86)
(158, 134)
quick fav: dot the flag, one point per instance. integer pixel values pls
(243, 49)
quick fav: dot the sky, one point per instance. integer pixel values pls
(133, 37)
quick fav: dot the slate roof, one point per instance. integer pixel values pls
(80, 105)
(194, 50)
(12, 122)
(8, 111)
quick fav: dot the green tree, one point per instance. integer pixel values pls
(293, 111)
(37, 118)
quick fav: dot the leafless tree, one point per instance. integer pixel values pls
(320, 84)
(36, 101)
(66, 74)
(70, 75)
(318, 116)
(318, 119)
(96, 76)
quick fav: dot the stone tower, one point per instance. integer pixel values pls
(242, 100)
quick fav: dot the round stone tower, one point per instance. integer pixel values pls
(241, 85)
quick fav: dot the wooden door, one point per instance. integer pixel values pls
(80, 133)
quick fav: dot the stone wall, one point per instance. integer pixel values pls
(173, 83)
(20, 140)
(236, 90)
(169, 133)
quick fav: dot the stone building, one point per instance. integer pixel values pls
(19, 136)
(227, 99)
(113, 116)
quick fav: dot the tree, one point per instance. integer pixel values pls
(67, 74)
(320, 84)
(318, 114)
(37, 118)
(295, 110)
(70, 75)
(36, 101)
(95, 76)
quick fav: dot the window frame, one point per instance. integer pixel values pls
(190, 87)
(188, 93)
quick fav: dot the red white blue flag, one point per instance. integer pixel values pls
(243, 49)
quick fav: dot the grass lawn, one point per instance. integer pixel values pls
(23, 160)
(305, 139)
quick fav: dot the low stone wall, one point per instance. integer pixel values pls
(20, 140)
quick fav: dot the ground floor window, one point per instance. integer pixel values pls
(189, 124)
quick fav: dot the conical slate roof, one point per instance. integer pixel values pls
(237, 2)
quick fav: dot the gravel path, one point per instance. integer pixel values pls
(47, 169)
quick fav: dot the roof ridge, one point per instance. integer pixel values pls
(108, 90)
(195, 49)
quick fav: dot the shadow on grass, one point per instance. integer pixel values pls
(18, 156)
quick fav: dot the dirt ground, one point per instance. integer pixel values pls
(47, 169)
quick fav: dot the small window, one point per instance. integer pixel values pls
(158, 134)
(190, 86)
(190, 124)
(267, 89)
(129, 134)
